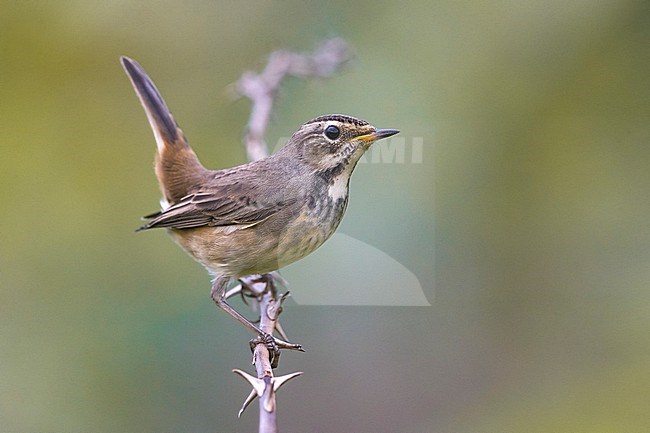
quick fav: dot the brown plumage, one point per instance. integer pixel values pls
(257, 217)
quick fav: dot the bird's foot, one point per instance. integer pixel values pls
(273, 345)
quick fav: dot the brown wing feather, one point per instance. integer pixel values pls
(205, 209)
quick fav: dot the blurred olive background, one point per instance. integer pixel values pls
(526, 221)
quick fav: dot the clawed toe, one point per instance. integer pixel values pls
(274, 345)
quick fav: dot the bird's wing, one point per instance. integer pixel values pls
(207, 209)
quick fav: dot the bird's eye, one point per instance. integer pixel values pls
(332, 132)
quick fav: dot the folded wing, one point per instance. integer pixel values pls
(206, 209)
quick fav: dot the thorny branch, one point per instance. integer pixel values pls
(261, 88)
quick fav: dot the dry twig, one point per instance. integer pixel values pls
(261, 88)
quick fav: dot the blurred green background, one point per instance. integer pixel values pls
(526, 222)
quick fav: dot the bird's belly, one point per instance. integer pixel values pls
(255, 250)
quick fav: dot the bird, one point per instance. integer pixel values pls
(260, 216)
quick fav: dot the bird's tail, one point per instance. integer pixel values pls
(177, 167)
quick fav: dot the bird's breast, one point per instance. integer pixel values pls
(316, 222)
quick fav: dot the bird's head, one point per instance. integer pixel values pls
(333, 143)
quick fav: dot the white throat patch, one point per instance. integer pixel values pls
(339, 189)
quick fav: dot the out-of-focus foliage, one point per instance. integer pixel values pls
(526, 220)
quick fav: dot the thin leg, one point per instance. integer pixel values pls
(218, 296)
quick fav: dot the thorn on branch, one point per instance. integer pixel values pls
(266, 388)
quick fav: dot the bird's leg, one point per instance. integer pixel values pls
(218, 294)
(274, 344)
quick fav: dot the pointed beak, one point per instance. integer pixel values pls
(377, 135)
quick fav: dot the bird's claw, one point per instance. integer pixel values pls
(269, 341)
(273, 345)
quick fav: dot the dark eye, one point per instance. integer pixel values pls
(332, 132)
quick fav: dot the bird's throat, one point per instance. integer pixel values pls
(338, 186)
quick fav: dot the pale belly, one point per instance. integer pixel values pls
(258, 249)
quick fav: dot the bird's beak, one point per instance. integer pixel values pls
(377, 135)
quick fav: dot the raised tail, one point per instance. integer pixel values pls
(177, 167)
(164, 127)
